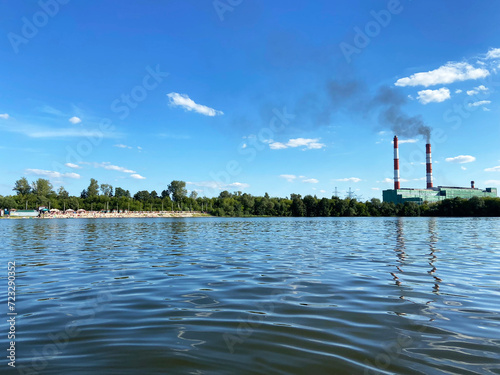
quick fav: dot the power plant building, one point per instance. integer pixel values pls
(431, 194)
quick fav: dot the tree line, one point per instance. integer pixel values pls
(99, 197)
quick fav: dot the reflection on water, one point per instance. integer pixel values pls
(256, 296)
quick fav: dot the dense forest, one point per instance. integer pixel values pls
(175, 198)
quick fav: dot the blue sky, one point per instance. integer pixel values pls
(279, 97)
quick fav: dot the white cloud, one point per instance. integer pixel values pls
(51, 174)
(461, 159)
(310, 181)
(288, 177)
(463, 168)
(493, 169)
(74, 166)
(350, 179)
(122, 146)
(458, 91)
(322, 191)
(35, 131)
(216, 185)
(433, 96)
(493, 53)
(402, 141)
(277, 146)
(110, 167)
(137, 176)
(308, 143)
(476, 90)
(75, 120)
(5, 116)
(492, 183)
(479, 103)
(486, 109)
(240, 185)
(188, 104)
(446, 74)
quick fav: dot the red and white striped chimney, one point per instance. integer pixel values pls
(428, 165)
(396, 164)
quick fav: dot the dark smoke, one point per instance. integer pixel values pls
(390, 101)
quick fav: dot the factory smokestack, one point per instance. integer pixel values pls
(472, 184)
(396, 164)
(428, 165)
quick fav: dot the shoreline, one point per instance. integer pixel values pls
(112, 215)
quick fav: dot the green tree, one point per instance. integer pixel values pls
(119, 192)
(93, 189)
(310, 203)
(22, 186)
(107, 190)
(142, 196)
(42, 188)
(177, 190)
(298, 207)
(62, 193)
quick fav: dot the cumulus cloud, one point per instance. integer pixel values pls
(349, 179)
(5, 116)
(111, 167)
(479, 103)
(239, 185)
(310, 181)
(458, 91)
(288, 177)
(433, 96)
(401, 141)
(307, 143)
(217, 185)
(493, 53)
(75, 120)
(476, 90)
(184, 101)
(446, 74)
(137, 176)
(493, 169)
(461, 159)
(74, 166)
(51, 174)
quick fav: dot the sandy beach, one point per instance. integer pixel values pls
(130, 214)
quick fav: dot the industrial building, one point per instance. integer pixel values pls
(431, 194)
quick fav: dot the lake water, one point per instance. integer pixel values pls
(254, 296)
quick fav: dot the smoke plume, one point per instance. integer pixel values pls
(390, 101)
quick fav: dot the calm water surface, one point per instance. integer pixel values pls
(254, 296)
